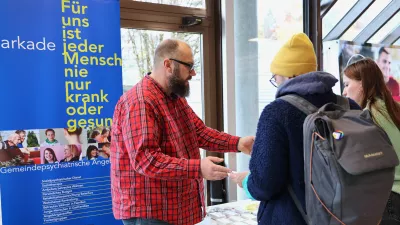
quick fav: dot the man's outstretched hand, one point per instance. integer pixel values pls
(212, 171)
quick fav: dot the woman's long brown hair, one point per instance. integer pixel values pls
(373, 83)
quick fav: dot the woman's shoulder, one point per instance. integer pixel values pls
(377, 109)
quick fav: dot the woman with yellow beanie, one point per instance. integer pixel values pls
(277, 156)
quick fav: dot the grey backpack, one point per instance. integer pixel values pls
(348, 165)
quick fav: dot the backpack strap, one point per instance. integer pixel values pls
(307, 108)
(343, 102)
(300, 103)
(298, 204)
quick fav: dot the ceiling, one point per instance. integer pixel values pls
(361, 21)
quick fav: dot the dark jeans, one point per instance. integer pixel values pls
(140, 221)
(391, 215)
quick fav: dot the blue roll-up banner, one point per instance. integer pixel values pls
(61, 76)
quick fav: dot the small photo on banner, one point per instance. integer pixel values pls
(51, 154)
(62, 136)
(19, 147)
(27, 138)
(103, 151)
(72, 153)
(91, 152)
(99, 135)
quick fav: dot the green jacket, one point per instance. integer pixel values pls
(384, 121)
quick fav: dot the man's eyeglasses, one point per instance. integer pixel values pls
(189, 65)
(273, 81)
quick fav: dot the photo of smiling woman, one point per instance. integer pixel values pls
(49, 156)
(92, 152)
(71, 153)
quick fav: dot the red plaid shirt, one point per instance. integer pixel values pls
(155, 156)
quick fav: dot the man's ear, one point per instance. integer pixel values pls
(168, 65)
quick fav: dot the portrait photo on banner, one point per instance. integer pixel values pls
(386, 57)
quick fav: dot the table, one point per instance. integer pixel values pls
(243, 212)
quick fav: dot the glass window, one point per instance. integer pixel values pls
(386, 29)
(184, 3)
(276, 24)
(261, 27)
(138, 48)
(365, 19)
(335, 14)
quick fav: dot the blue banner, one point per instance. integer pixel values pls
(60, 63)
(61, 76)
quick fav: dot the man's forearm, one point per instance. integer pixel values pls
(157, 165)
(213, 140)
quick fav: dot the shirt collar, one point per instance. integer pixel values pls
(172, 96)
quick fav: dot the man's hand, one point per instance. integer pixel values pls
(246, 144)
(211, 171)
(238, 177)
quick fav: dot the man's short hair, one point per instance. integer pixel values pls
(167, 49)
(49, 130)
(20, 131)
(382, 49)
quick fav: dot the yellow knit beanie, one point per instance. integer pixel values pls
(296, 57)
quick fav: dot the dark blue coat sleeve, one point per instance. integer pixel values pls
(269, 157)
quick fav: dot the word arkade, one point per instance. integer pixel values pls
(21, 44)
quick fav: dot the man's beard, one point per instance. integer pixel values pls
(177, 85)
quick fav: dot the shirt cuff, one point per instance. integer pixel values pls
(194, 169)
(233, 143)
(244, 184)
